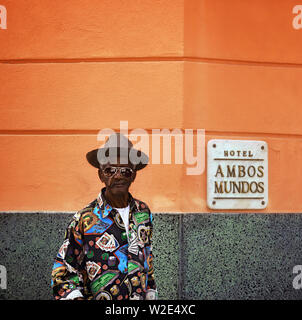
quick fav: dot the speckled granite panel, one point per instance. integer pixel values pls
(30, 241)
(241, 256)
(166, 255)
(222, 256)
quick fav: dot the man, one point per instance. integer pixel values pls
(107, 251)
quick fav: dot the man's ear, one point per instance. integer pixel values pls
(100, 175)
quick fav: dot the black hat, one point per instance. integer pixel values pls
(117, 145)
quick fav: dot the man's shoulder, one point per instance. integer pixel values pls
(143, 209)
(141, 205)
(86, 209)
(89, 207)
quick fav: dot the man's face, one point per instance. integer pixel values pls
(117, 177)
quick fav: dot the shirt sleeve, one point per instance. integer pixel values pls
(68, 271)
(152, 293)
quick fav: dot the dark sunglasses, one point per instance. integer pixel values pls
(124, 171)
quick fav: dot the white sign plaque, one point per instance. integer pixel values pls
(237, 174)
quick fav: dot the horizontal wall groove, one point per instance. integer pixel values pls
(91, 60)
(243, 62)
(93, 132)
(255, 134)
(154, 59)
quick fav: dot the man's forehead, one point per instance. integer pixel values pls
(119, 162)
(129, 165)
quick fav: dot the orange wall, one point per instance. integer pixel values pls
(231, 67)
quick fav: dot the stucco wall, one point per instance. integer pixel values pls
(68, 71)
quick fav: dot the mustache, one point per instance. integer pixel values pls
(119, 183)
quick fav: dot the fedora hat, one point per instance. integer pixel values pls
(117, 145)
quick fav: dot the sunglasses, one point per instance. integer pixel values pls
(124, 171)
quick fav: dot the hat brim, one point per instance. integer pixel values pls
(92, 156)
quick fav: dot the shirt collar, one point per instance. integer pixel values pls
(106, 208)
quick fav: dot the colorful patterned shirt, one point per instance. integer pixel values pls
(96, 261)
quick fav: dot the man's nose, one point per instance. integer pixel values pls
(118, 174)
